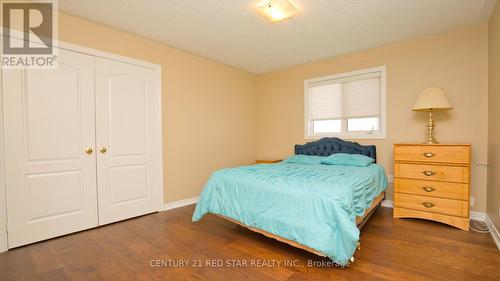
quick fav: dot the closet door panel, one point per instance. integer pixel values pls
(49, 121)
(128, 128)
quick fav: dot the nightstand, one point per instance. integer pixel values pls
(267, 161)
(432, 182)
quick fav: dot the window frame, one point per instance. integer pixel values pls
(380, 134)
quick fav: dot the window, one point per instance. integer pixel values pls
(349, 105)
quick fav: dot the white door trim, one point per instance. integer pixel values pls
(3, 202)
(90, 51)
(96, 53)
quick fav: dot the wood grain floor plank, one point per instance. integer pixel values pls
(391, 249)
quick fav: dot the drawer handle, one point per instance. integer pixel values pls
(428, 188)
(428, 173)
(428, 204)
(429, 154)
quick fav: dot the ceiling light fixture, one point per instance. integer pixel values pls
(277, 10)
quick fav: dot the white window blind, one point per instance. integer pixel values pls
(352, 97)
(326, 101)
(349, 104)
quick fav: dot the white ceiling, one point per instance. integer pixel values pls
(230, 31)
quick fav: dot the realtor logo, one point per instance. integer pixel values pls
(29, 30)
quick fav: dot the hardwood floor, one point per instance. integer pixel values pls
(391, 249)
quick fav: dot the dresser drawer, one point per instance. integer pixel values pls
(432, 204)
(459, 154)
(432, 172)
(459, 191)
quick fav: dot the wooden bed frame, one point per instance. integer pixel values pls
(360, 222)
(326, 147)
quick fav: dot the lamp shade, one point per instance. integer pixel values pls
(432, 99)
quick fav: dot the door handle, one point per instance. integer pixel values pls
(89, 150)
(103, 149)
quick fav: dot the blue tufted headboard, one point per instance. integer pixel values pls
(329, 146)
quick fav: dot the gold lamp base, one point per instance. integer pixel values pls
(431, 99)
(430, 130)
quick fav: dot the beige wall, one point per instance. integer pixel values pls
(456, 60)
(494, 118)
(209, 109)
(217, 116)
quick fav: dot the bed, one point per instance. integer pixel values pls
(307, 204)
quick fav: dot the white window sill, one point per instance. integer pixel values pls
(348, 136)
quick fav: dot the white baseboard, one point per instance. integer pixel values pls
(180, 203)
(477, 216)
(387, 203)
(494, 231)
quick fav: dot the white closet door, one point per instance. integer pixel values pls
(49, 123)
(128, 128)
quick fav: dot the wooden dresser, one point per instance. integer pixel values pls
(432, 182)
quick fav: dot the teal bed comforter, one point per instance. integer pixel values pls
(313, 204)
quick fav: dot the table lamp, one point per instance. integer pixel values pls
(432, 99)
